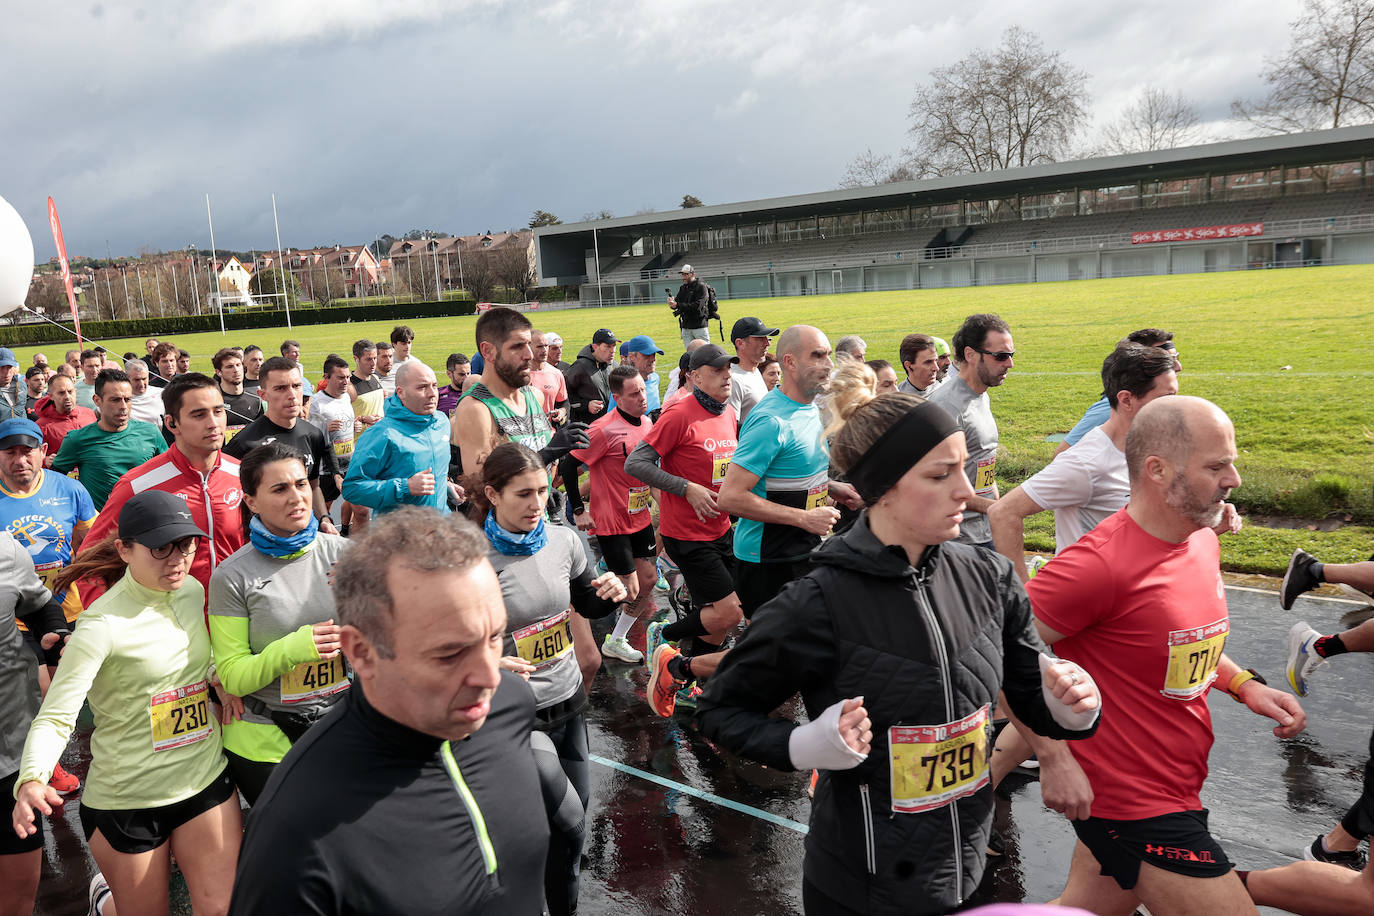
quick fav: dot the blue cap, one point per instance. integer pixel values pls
(641, 343)
(20, 431)
(7, 357)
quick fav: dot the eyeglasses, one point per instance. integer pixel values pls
(186, 545)
(1001, 356)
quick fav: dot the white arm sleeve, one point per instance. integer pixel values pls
(1073, 721)
(818, 746)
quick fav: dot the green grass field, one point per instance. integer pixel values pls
(1281, 351)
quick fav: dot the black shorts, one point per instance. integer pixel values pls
(10, 844)
(708, 567)
(328, 489)
(1177, 842)
(31, 643)
(145, 829)
(758, 583)
(621, 550)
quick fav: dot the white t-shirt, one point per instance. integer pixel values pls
(323, 409)
(148, 407)
(747, 388)
(1083, 486)
(388, 382)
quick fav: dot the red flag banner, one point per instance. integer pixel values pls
(1198, 233)
(66, 267)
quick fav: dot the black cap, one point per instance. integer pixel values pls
(713, 356)
(749, 326)
(604, 336)
(154, 518)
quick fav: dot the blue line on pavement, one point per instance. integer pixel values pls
(704, 796)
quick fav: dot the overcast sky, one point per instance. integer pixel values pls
(367, 117)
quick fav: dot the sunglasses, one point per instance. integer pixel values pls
(1000, 355)
(186, 545)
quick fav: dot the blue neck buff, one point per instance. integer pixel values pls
(510, 544)
(283, 548)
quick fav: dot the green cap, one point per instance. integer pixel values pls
(941, 348)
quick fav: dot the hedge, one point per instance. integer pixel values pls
(44, 334)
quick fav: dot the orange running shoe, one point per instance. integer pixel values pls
(662, 693)
(62, 782)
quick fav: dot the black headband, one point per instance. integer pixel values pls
(922, 428)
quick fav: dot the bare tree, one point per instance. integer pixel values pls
(48, 295)
(1326, 77)
(870, 168)
(511, 263)
(323, 285)
(1158, 119)
(1017, 105)
(479, 274)
(601, 214)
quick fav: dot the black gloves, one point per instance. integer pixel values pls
(571, 437)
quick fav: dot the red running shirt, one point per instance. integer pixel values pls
(620, 503)
(696, 445)
(1148, 620)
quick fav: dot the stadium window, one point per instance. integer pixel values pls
(1118, 197)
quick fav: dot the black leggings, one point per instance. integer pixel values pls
(249, 775)
(561, 756)
(1359, 820)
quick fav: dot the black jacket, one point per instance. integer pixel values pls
(588, 379)
(691, 309)
(922, 646)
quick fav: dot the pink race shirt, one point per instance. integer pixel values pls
(550, 385)
(620, 503)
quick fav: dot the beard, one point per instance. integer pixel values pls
(1186, 501)
(516, 375)
(990, 378)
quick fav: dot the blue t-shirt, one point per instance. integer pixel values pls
(781, 443)
(1093, 417)
(43, 521)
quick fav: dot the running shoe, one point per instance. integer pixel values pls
(1353, 859)
(1300, 577)
(653, 638)
(1037, 563)
(1302, 656)
(687, 696)
(1358, 594)
(62, 782)
(601, 568)
(662, 687)
(997, 847)
(662, 584)
(620, 649)
(99, 892)
(680, 600)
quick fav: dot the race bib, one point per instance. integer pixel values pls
(933, 765)
(815, 496)
(181, 716)
(541, 644)
(639, 500)
(231, 431)
(983, 479)
(312, 680)
(720, 463)
(344, 447)
(1193, 658)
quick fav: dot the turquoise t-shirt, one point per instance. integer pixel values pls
(44, 521)
(101, 458)
(781, 443)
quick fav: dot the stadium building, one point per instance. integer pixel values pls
(1287, 201)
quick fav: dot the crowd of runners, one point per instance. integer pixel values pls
(331, 617)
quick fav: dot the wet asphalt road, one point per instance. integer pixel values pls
(677, 825)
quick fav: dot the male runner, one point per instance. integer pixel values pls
(620, 515)
(165, 364)
(1139, 603)
(942, 358)
(364, 387)
(419, 793)
(332, 411)
(747, 388)
(281, 422)
(779, 478)
(386, 369)
(102, 452)
(14, 400)
(547, 379)
(58, 414)
(183, 362)
(48, 514)
(194, 469)
(457, 367)
(984, 347)
(555, 342)
(241, 407)
(92, 361)
(252, 362)
(921, 365)
(402, 337)
(291, 349)
(1089, 483)
(147, 405)
(643, 355)
(685, 456)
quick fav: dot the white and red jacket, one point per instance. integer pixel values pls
(212, 498)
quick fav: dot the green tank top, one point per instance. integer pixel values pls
(531, 430)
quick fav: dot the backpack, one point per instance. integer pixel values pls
(713, 311)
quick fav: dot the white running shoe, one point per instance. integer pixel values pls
(98, 893)
(1302, 657)
(621, 649)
